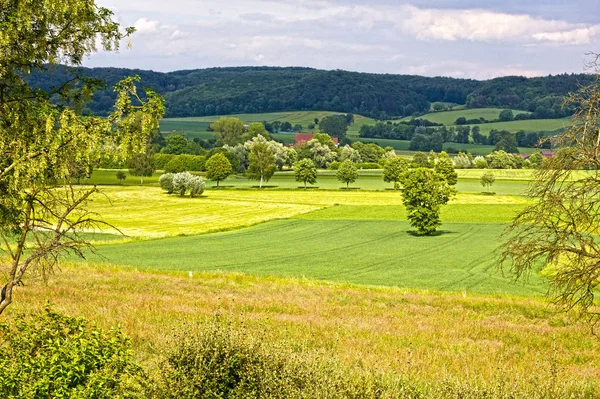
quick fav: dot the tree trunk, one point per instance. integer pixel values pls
(261, 179)
(141, 180)
(217, 183)
(305, 184)
(347, 184)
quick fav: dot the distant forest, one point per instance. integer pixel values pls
(221, 91)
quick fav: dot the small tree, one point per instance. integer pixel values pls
(487, 179)
(185, 181)
(347, 172)
(393, 170)
(305, 171)
(445, 168)
(262, 163)
(218, 168)
(121, 176)
(142, 165)
(506, 115)
(425, 191)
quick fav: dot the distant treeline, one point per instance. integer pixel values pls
(222, 91)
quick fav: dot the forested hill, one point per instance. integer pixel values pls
(218, 91)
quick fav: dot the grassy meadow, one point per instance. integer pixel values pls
(330, 274)
(449, 117)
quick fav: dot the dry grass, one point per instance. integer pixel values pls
(424, 336)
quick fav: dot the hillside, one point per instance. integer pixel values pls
(223, 91)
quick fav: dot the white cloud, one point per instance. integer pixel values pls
(144, 26)
(575, 36)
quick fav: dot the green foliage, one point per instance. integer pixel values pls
(335, 165)
(487, 179)
(445, 168)
(262, 163)
(393, 170)
(54, 356)
(347, 172)
(142, 165)
(536, 160)
(370, 152)
(193, 163)
(166, 182)
(185, 181)
(506, 115)
(219, 360)
(424, 192)
(175, 165)
(420, 160)
(334, 125)
(161, 160)
(502, 160)
(176, 144)
(480, 162)
(121, 176)
(43, 135)
(218, 168)
(369, 165)
(305, 171)
(320, 153)
(255, 129)
(228, 131)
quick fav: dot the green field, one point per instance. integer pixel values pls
(373, 252)
(449, 117)
(199, 124)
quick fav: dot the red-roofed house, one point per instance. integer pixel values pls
(303, 138)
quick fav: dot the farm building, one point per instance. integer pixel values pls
(303, 138)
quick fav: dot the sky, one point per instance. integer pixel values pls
(477, 39)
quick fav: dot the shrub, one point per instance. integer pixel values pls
(217, 360)
(54, 356)
(479, 162)
(335, 165)
(369, 165)
(462, 161)
(166, 182)
(193, 163)
(185, 181)
(161, 160)
(175, 165)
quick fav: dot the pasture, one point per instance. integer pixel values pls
(449, 117)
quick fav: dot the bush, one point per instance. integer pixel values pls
(335, 165)
(369, 165)
(480, 163)
(166, 182)
(193, 163)
(220, 361)
(161, 160)
(175, 165)
(185, 181)
(54, 356)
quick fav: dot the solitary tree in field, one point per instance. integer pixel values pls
(559, 231)
(424, 192)
(487, 179)
(347, 172)
(262, 163)
(305, 171)
(218, 168)
(393, 170)
(42, 135)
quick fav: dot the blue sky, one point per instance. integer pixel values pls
(460, 38)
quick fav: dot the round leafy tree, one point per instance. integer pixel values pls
(425, 191)
(445, 168)
(218, 168)
(347, 172)
(305, 171)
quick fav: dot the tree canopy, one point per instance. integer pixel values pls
(43, 134)
(559, 231)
